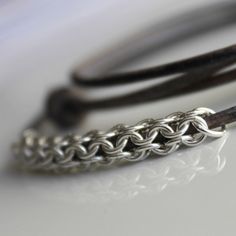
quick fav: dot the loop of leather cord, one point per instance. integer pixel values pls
(66, 106)
(216, 59)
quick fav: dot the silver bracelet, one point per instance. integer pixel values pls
(120, 143)
(66, 106)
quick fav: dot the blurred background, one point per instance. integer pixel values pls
(41, 43)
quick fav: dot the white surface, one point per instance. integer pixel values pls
(191, 192)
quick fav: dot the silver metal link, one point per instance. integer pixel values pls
(122, 142)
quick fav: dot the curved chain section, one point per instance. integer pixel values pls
(122, 142)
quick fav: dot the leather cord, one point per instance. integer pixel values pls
(66, 106)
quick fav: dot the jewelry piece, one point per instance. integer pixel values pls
(65, 107)
(122, 142)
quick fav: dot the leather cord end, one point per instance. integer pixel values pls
(64, 108)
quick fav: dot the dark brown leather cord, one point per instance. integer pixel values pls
(66, 106)
(217, 59)
(202, 76)
(207, 73)
(222, 118)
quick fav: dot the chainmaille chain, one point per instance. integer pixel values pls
(122, 142)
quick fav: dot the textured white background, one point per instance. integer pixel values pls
(191, 192)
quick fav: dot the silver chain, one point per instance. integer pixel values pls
(122, 142)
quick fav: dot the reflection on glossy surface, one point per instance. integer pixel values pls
(126, 182)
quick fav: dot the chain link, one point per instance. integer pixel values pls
(122, 142)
